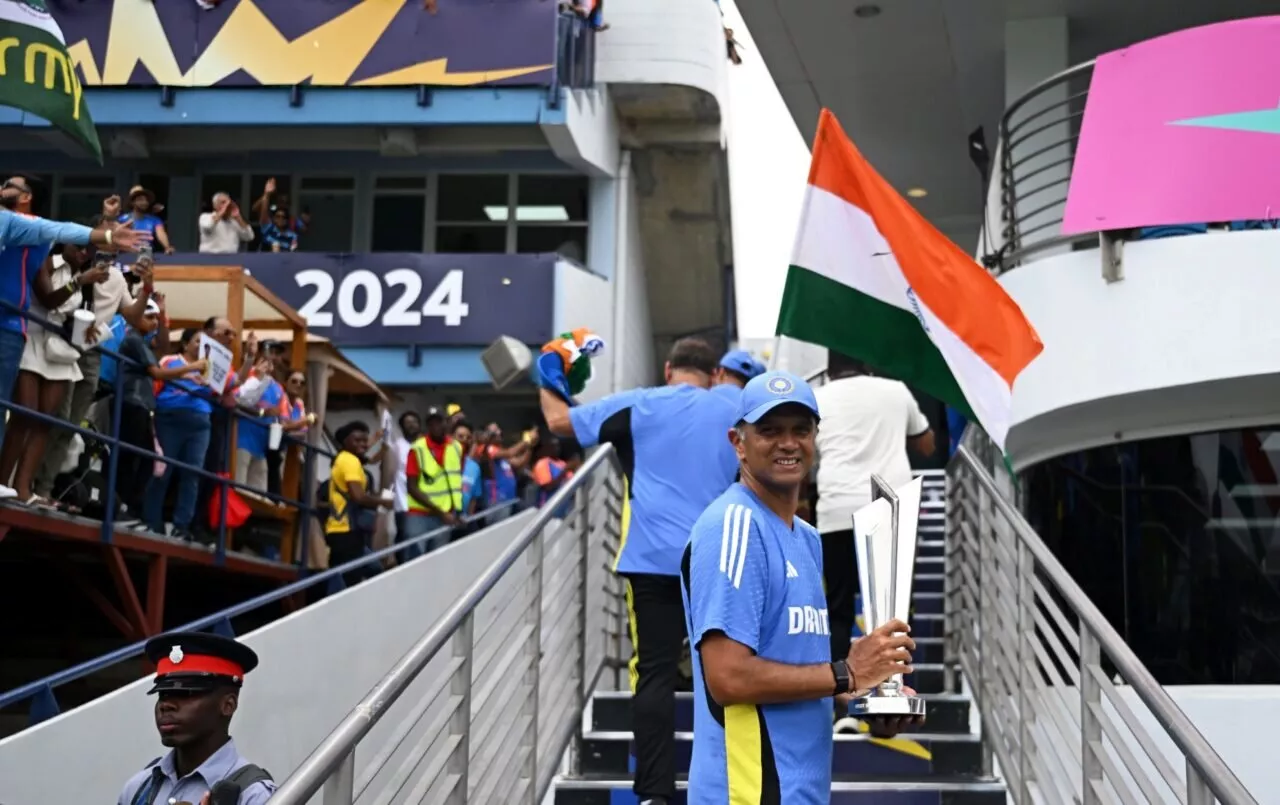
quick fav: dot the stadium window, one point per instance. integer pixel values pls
(230, 183)
(472, 212)
(330, 201)
(550, 215)
(399, 214)
(80, 197)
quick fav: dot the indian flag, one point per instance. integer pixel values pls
(871, 278)
(40, 77)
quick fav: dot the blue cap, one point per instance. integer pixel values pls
(740, 361)
(771, 389)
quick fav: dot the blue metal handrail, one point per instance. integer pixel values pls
(44, 703)
(113, 440)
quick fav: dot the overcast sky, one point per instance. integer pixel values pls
(768, 166)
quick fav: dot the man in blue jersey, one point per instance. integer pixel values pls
(758, 621)
(670, 442)
(735, 369)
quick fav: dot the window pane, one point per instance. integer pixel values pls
(90, 182)
(570, 241)
(258, 183)
(471, 239)
(328, 183)
(80, 207)
(400, 183)
(569, 192)
(331, 216)
(229, 183)
(399, 223)
(464, 198)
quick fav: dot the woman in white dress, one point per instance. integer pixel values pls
(45, 374)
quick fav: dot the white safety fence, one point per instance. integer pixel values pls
(482, 708)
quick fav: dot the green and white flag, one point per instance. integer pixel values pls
(36, 74)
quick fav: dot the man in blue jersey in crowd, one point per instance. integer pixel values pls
(735, 369)
(757, 619)
(671, 444)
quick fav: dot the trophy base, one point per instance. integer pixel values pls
(872, 706)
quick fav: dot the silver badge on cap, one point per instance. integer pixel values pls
(176, 655)
(781, 385)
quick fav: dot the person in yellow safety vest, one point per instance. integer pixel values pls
(433, 479)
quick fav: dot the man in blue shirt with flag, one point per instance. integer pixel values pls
(758, 621)
(675, 458)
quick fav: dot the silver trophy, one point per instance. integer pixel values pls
(884, 534)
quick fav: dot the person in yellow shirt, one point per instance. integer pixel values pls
(347, 530)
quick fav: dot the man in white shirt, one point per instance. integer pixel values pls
(867, 424)
(223, 230)
(410, 430)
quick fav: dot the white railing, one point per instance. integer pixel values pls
(1052, 679)
(496, 688)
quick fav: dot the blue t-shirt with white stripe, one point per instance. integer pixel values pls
(749, 576)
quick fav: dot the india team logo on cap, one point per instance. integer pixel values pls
(176, 655)
(781, 385)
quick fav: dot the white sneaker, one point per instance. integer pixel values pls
(7, 492)
(847, 726)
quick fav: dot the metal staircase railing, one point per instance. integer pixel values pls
(1054, 682)
(483, 707)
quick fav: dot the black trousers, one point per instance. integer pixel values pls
(215, 461)
(656, 612)
(134, 472)
(347, 547)
(840, 572)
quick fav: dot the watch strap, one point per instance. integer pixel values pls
(840, 670)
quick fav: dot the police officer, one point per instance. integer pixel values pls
(735, 369)
(671, 443)
(198, 678)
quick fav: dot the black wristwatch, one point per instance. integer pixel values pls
(840, 669)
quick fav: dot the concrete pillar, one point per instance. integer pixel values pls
(1036, 49)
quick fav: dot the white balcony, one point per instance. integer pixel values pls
(1143, 337)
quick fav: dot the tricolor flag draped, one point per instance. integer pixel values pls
(37, 75)
(871, 278)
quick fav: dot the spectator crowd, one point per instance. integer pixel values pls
(159, 399)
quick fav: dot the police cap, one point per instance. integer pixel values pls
(198, 662)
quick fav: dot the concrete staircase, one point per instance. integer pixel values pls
(941, 765)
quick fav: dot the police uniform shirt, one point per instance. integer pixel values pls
(673, 444)
(748, 575)
(191, 788)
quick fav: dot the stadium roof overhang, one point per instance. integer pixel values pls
(910, 82)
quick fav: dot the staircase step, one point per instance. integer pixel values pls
(931, 545)
(948, 713)
(920, 756)
(930, 678)
(928, 583)
(880, 789)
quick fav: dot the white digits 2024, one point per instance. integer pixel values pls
(444, 301)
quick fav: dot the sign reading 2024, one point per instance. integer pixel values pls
(425, 299)
(359, 300)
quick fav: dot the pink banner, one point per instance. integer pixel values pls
(1181, 129)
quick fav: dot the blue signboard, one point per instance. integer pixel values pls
(381, 300)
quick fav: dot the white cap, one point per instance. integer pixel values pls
(152, 308)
